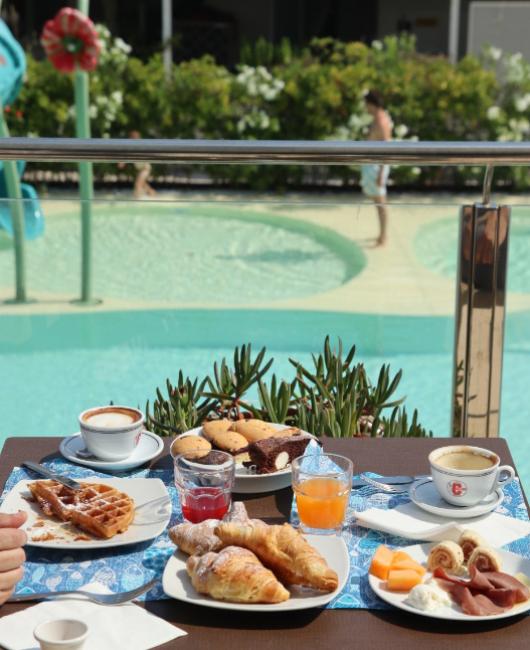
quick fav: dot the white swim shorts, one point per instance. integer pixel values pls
(369, 176)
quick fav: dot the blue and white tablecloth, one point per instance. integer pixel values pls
(127, 567)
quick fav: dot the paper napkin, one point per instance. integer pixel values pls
(120, 627)
(411, 522)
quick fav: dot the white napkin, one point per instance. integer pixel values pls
(120, 627)
(411, 522)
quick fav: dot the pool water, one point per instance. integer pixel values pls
(155, 252)
(75, 361)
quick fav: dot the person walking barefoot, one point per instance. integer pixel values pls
(374, 177)
(12, 555)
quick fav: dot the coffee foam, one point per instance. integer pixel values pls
(110, 418)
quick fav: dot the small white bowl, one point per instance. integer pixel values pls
(108, 438)
(61, 634)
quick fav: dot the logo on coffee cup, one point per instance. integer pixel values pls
(457, 488)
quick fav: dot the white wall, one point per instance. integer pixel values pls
(502, 24)
(429, 18)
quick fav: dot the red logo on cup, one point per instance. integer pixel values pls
(457, 488)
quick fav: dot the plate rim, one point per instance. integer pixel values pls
(95, 544)
(375, 585)
(208, 602)
(123, 464)
(461, 513)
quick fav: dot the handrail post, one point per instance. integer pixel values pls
(86, 180)
(480, 315)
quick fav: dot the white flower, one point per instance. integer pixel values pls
(493, 113)
(377, 45)
(416, 171)
(401, 131)
(92, 111)
(522, 103)
(495, 53)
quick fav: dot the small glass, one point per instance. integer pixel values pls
(322, 485)
(205, 485)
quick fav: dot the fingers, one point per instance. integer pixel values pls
(8, 579)
(13, 521)
(12, 559)
(4, 595)
(11, 538)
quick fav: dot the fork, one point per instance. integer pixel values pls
(101, 599)
(385, 487)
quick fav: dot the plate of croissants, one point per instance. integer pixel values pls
(263, 451)
(246, 564)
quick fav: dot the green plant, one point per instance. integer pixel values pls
(335, 399)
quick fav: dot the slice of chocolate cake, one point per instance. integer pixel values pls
(274, 454)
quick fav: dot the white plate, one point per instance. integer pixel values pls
(177, 584)
(425, 495)
(247, 482)
(148, 447)
(142, 490)
(511, 564)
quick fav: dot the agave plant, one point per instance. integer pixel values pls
(335, 398)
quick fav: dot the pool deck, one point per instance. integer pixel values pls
(393, 281)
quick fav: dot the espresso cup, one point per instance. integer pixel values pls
(465, 475)
(111, 432)
(61, 634)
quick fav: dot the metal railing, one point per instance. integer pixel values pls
(484, 231)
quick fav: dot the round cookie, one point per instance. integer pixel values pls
(193, 447)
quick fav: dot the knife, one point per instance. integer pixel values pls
(388, 480)
(42, 471)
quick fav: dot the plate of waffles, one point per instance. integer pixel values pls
(106, 513)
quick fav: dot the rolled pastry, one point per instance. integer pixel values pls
(485, 558)
(468, 542)
(447, 555)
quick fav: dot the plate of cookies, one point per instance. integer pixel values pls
(248, 565)
(263, 451)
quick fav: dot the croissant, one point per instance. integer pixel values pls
(196, 538)
(236, 575)
(283, 550)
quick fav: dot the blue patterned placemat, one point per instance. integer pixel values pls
(362, 542)
(120, 569)
(128, 567)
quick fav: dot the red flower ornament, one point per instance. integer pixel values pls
(70, 40)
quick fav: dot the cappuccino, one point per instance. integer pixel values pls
(465, 460)
(111, 418)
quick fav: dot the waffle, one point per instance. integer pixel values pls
(98, 509)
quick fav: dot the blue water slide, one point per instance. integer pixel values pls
(12, 70)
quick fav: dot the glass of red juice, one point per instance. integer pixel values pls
(205, 485)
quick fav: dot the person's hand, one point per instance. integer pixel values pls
(12, 554)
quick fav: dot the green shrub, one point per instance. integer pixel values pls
(278, 93)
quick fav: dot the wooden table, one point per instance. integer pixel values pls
(317, 629)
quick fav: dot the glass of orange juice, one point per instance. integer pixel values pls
(322, 485)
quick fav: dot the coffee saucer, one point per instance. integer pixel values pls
(425, 495)
(148, 447)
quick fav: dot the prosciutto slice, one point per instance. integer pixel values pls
(484, 594)
(504, 581)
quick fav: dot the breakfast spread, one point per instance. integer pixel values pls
(248, 561)
(97, 509)
(474, 583)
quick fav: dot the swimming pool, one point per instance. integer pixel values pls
(54, 365)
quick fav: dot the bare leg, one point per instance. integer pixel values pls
(141, 186)
(382, 213)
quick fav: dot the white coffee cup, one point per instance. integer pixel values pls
(111, 432)
(465, 475)
(61, 634)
